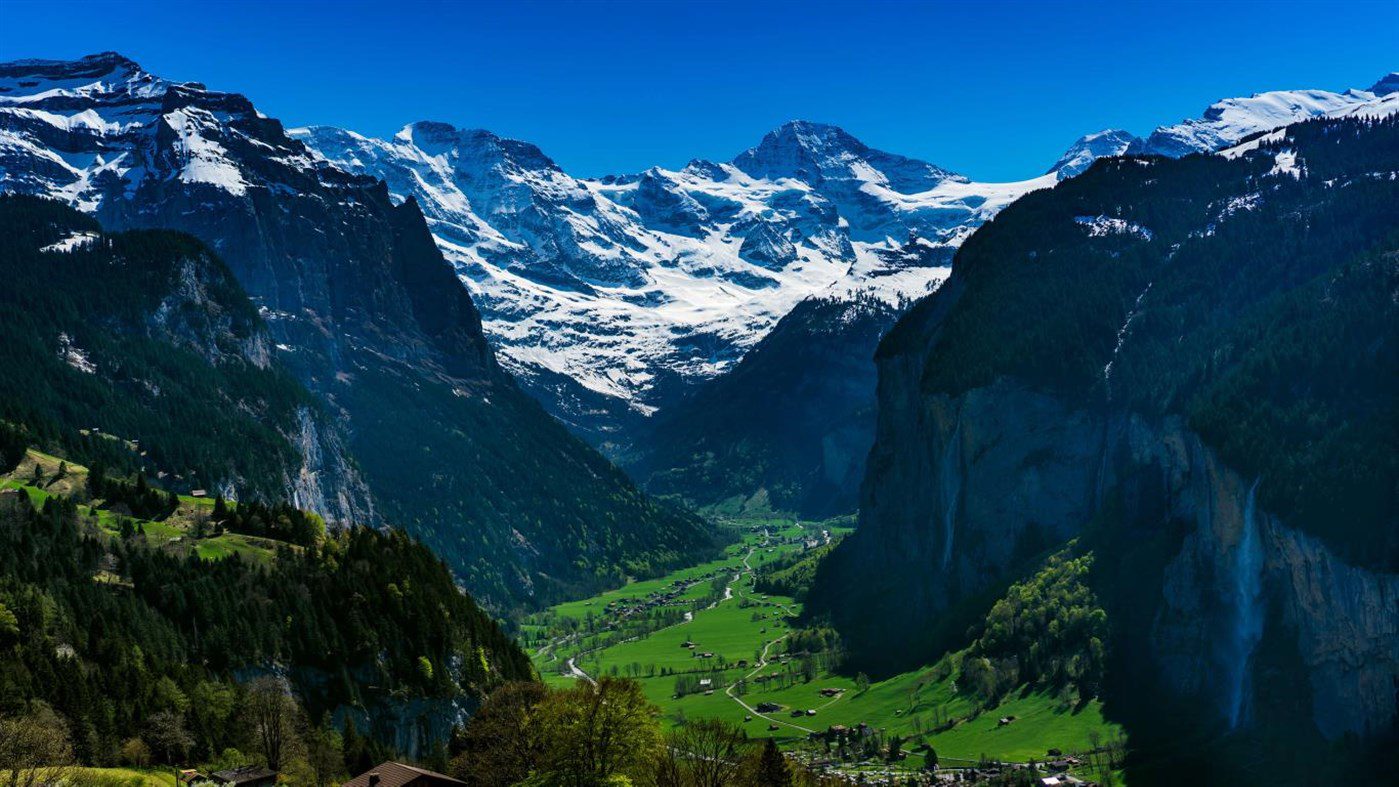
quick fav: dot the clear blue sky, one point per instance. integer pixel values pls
(994, 90)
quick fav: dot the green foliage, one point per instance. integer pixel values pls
(280, 521)
(171, 635)
(169, 338)
(139, 499)
(791, 575)
(474, 491)
(1048, 632)
(12, 446)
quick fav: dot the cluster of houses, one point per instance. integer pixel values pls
(667, 597)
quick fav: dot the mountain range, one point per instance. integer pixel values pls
(612, 297)
(422, 428)
(625, 304)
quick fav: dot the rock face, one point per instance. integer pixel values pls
(1240, 569)
(361, 307)
(957, 487)
(1116, 400)
(787, 429)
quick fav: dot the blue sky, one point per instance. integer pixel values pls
(993, 90)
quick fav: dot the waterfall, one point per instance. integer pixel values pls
(1246, 590)
(949, 478)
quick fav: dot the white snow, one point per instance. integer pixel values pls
(1285, 163)
(1100, 226)
(205, 160)
(622, 283)
(72, 242)
(650, 275)
(1226, 122)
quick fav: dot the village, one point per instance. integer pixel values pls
(738, 657)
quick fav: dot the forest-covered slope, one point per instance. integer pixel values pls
(122, 627)
(1190, 365)
(140, 351)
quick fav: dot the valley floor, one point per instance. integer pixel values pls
(705, 644)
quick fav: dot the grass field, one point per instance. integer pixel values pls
(922, 706)
(173, 533)
(119, 777)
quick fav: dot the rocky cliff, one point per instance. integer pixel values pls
(1189, 367)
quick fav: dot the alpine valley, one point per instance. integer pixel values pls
(324, 454)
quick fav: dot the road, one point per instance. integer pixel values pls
(577, 672)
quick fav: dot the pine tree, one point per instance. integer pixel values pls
(772, 767)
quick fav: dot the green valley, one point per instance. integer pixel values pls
(705, 643)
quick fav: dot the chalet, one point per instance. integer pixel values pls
(706, 682)
(246, 776)
(831, 692)
(768, 707)
(396, 774)
(198, 493)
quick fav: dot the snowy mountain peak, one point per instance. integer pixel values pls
(1091, 147)
(804, 140)
(60, 85)
(109, 67)
(818, 152)
(1389, 83)
(1226, 122)
(436, 138)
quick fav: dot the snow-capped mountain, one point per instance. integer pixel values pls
(1091, 147)
(613, 295)
(1225, 123)
(609, 297)
(362, 308)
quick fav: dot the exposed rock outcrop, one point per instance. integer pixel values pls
(961, 489)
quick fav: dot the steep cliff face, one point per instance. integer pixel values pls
(1189, 367)
(1241, 570)
(962, 491)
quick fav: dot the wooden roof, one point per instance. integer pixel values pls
(396, 774)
